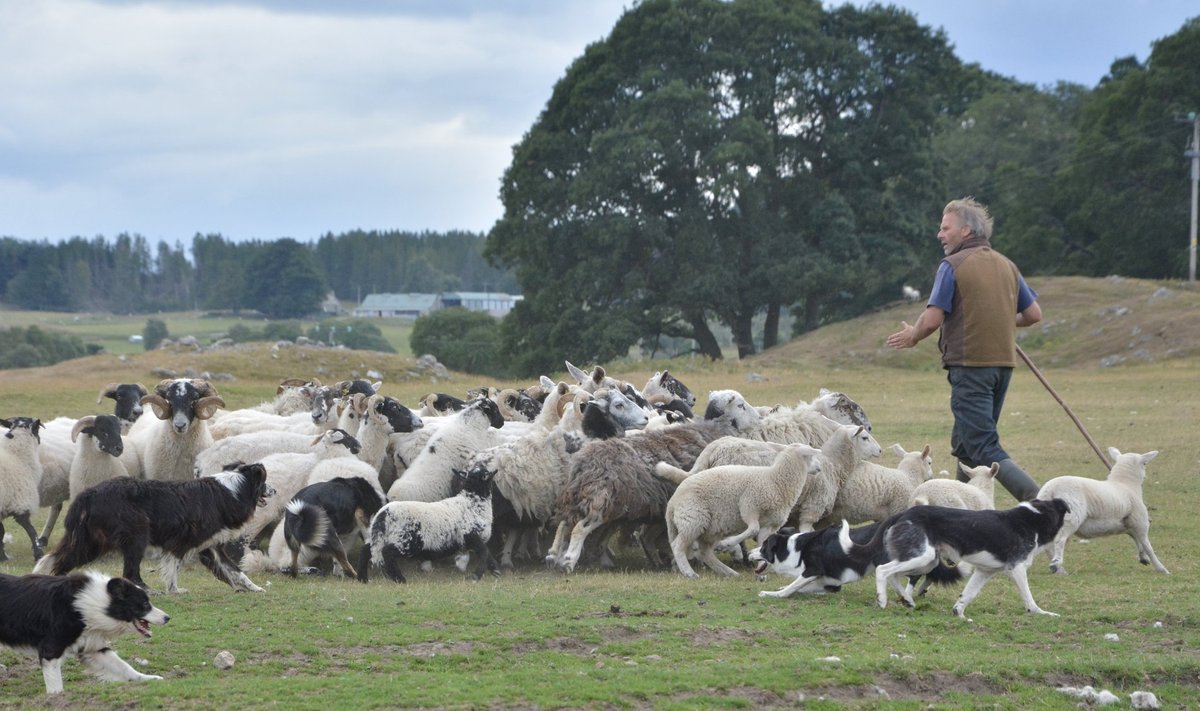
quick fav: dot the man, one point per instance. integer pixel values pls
(978, 300)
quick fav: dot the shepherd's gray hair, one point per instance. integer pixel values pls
(973, 214)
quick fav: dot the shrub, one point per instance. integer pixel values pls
(32, 347)
(462, 340)
(153, 333)
(355, 334)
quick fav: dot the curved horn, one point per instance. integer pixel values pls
(204, 387)
(206, 407)
(290, 383)
(158, 403)
(81, 424)
(109, 390)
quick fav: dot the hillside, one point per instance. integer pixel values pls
(1087, 323)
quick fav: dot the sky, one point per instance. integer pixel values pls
(262, 119)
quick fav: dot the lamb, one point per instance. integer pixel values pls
(710, 505)
(58, 450)
(429, 530)
(427, 477)
(20, 472)
(168, 448)
(98, 455)
(873, 492)
(1104, 508)
(612, 481)
(841, 453)
(978, 494)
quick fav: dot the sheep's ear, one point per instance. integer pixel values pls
(580, 376)
(1114, 453)
(1149, 456)
(898, 450)
(598, 375)
(925, 452)
(994, 470)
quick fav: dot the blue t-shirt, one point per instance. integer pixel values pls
(942, 295)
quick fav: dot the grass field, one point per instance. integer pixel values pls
(641, 638)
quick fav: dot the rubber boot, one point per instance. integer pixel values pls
(1019, 484)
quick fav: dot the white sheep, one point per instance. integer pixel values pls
(427, 477)
(433, 529)
(57, 450)
(726, 505)
(1105, 508)
(97, 457)
(168, 447)
(844, 450)
(873, 492)
(20, 472)
(977, 494)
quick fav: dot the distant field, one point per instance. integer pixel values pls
(112, 332)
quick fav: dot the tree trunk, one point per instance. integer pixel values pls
(743, 335)
(706, 342)
(771, 326)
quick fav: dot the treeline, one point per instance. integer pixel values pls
(280, 278)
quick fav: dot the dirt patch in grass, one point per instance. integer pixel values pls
(711, 636)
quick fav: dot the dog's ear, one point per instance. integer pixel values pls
(122, 590)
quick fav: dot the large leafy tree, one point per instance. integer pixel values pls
(715, 161)
(282, 280)
(1007, 150)
(1127, 180)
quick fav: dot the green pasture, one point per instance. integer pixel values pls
(638, 638)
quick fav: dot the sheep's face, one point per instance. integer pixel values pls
(840, 408)
(183, 401)
(128, 398)
(524, 405)
(665, 383)
(626, 414)
(730, 404)
(477, 479)
(22, 426)
(866, 445)
(490, 410)
(342, 438)
(105, 431)
(399, 417)
(323, 403)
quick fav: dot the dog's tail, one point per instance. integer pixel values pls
(305, 525)
(77, 547)
(868, 551)
(669, 472)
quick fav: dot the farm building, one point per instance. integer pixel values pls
(495, 303)
(397, 305)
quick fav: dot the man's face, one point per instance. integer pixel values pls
(952, 232)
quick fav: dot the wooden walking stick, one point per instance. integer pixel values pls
(1088, 437)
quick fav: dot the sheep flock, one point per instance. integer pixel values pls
(561, 473)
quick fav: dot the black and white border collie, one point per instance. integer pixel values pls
(321, 515)
(55, 616)
(917, 539)
(820, 561)
(180, 517)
